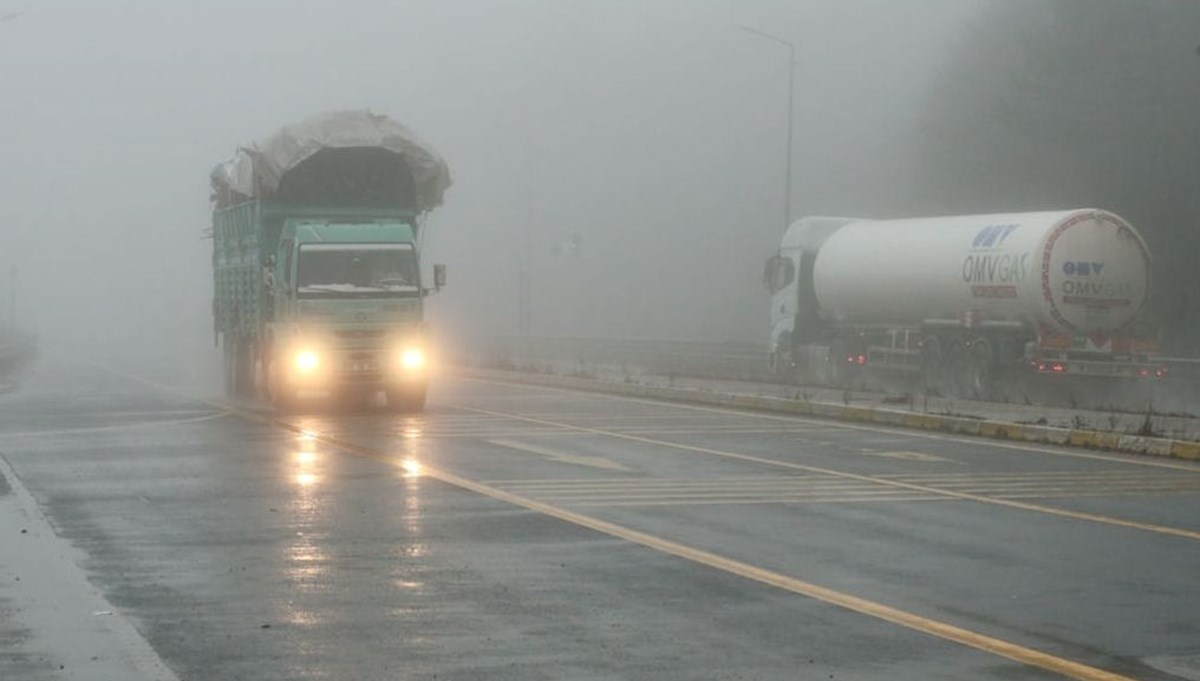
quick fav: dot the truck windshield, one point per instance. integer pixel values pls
(356, 271)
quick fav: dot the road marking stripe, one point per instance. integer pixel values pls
(116, 426)
(755, 502)
(561, 457)
(909, 620)
(1025, 506)
(841, 425)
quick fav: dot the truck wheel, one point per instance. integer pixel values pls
(780, 361)
(838, 371)
(244, 369)
(979, 369)
(239, 363)
(955, 369)
(281, 398)
(228, 364)
(407, 400)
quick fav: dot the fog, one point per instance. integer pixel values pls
(629, 154)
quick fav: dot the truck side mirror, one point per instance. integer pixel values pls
(439, 277)
(769, 268)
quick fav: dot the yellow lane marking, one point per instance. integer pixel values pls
(966, 637)
(1010, 503)
(839, 425)
(561, 457)
(904, 618)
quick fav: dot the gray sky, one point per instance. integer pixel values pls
(654, 129)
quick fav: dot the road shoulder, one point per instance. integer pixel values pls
(62, 626)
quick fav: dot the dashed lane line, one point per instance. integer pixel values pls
(1010, 503)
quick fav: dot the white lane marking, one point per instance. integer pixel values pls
(910, 456)
(1129, 459)
(117, 426)
(561, 457)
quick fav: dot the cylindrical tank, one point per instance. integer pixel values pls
(1079, 272)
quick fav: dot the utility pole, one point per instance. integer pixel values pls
(787, 188)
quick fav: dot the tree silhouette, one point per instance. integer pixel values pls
(1072, 103)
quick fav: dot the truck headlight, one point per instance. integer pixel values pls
(412, 359)
(307, 361)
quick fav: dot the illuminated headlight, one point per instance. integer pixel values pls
(307, 361)
(412, 359)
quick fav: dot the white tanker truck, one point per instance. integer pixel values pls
(960, 301)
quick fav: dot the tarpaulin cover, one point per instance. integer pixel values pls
(257, 170)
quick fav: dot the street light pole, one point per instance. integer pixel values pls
(787, 189)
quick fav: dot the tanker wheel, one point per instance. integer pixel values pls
(781, 362)
(932, 370)
(837, 370)
(978, 377)
(955, 369)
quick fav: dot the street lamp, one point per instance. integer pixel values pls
(787, 189)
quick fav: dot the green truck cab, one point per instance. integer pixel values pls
(318, 288)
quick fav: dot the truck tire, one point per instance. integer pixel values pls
(838, 372)
(955, 367)
(932, 366)
(281, 398)
(239, 365)
(229, 380)
(978, 378)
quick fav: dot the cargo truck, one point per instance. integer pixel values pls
(317, 278)
(959, 302)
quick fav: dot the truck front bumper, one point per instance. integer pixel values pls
(340, 369)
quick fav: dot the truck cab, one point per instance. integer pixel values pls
(347, 302)
(788, 277)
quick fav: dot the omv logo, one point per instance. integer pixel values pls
(992, 236)
(1079, 268)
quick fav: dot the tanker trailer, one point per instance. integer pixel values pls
(960, 301)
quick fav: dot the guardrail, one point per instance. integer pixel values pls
(1178, 394)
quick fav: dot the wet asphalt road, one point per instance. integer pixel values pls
(522, 533)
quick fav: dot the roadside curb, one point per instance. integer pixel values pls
(958, 425)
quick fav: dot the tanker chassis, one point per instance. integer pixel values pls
(959, 302)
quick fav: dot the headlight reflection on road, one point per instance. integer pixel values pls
(305, 561)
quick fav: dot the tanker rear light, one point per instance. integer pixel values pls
(1051, 367)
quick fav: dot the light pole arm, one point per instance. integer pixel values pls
(791, 110)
